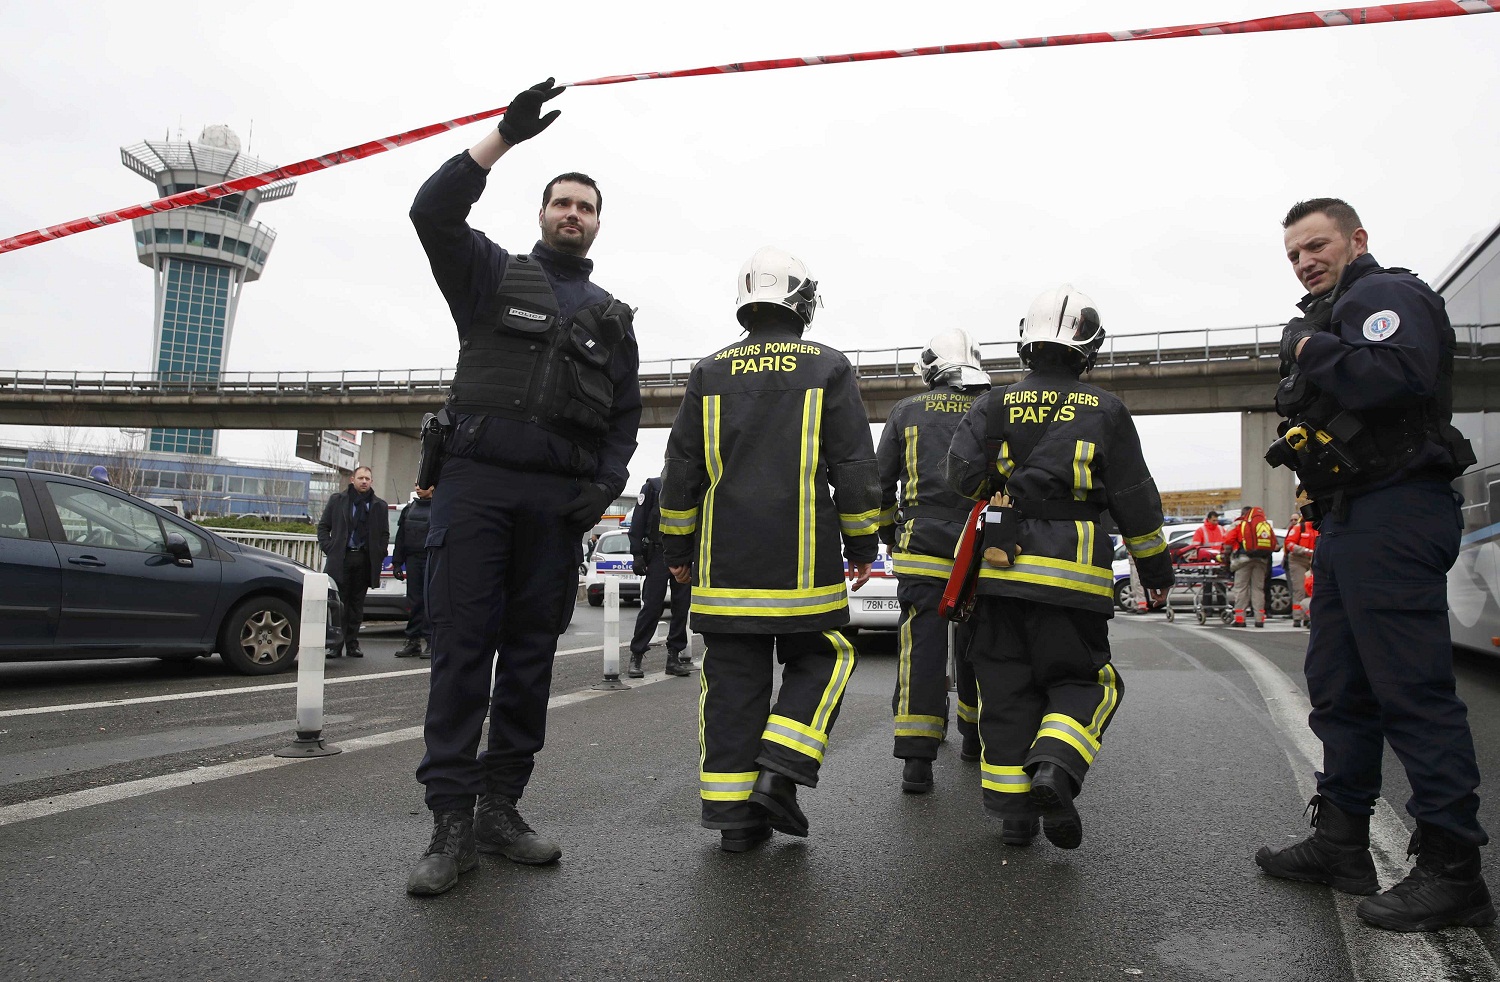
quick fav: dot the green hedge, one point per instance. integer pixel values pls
(250, 523)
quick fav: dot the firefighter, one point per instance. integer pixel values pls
(1249, 543)
(656, 579)
(1301, 538)
(921, 524)
(770, 482)
(1062, 452)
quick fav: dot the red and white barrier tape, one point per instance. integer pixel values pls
(1345, 17)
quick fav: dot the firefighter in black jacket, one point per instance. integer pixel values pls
(651, 566)
(922, 526)
(1063, 452)
(409, 563)
(767, 426)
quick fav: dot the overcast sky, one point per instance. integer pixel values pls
(923, 193)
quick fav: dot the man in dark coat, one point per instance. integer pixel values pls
(354, 533)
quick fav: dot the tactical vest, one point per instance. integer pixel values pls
(414, 528)
(522, 360)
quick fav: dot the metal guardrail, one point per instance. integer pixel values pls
(1175, 347)
(301, 547)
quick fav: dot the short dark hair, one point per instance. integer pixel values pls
(1211, 514)
(362, 467)
(576, 178)
(1337, 209)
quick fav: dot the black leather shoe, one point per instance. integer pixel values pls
(353, 651)
(634, 670)
(777, 794)
(971, 749)
(743, 840)
(450, 853)
(333, 653)
(1337, 854)
(411, 649)
(499, 828)
(678, 665)
(1444, 889)
(1052, 790)
(916, 776)
(1019, 831)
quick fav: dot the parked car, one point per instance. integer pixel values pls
(89, 571)
(875, 606)
(612, 558)
(1178, 538)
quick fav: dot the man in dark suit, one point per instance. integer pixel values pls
(353, 533)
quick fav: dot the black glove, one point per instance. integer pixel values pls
(584, 510)
(616, 320)
(638, 565)
(521, 120)
(1296, 329)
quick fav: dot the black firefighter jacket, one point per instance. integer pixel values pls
(913, 452)
(768, 425)
(1089, 453)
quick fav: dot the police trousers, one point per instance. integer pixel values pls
(416, 594)
(919, 706)
(502, 578)
(740, 732)
(654, 586)
(1380, 657)
(1047, 692)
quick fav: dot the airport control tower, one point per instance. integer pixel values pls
(203, 256)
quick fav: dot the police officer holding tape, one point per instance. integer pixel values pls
(1367, 396)
(544, 410)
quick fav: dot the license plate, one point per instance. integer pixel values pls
(882, 604)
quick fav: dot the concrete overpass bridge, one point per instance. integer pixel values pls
(1166, 372)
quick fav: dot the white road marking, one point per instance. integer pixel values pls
(42, 807)
(1375, 955)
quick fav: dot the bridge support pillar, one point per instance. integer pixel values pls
(392, 458)
(1273, 489)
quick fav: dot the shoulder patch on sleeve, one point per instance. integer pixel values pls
(1381, 324)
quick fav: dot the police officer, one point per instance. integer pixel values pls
(1368, 400)
(921, 519)
(545, 405)
(409, 563)
(767, 427)
(651, 565)
(1062, 452)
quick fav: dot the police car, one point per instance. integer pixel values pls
(875, 606)
(612, 559)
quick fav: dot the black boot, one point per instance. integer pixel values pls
(450, 853)
(971, 748)
(352, 649)
(743, 840)
(777, 794)
(916, 776)
(1052, 790)
(337, 651)
(1444, 889)
(411, 649)
(1019, 831)
(499, 828)
(1336, 854)
(634, 670)
(677, 664)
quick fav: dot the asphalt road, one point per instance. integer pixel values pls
(154, 836)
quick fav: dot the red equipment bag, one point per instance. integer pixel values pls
(958, 596)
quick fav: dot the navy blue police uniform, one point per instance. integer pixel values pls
(1380, 657)
(409, 553)
(545, 401)
(646, 549)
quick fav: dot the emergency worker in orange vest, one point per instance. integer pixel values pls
(1249, 544)
(1210, 533)
(1301, 537)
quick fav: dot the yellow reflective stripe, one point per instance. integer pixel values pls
(914, 564)
(968, 713)
(1003, 463)
(909, 492)
(833, 693)
(1150, 544)
(715, 465)
(919, 726)
(860, 523)
(1069, 731)
(807, 486)
(1081, 529)
(888, 516)
(1110, 680)
(1004, 778)
(1083, 474)
(903, 663)
(1061, 573)
(736, 786)
(674, 522)
(796, 736)
(769, 603)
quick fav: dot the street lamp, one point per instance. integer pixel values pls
(226, 499)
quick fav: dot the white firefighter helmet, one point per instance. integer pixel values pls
(775, 277)
(952, 356)
(1063, 316)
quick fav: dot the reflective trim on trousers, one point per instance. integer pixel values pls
(726, 787)
(796, 736)
(1004, 778)
(1071, 732)
(920, 726)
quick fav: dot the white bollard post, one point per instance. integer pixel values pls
(611, 636)
(310, 640)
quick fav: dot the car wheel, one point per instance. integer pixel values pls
(1122, 594)
(1281, 599)
(596, 601)
(259, 637)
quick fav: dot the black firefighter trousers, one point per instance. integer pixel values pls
(1047, 692)
(740, 732)
(919, 706)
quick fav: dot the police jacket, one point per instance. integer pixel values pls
(411, 532)
(336, 523)
(923, 522)
(1386, 355)
(644, 532)
(1088, 460)
(576, 416)
(770, 481)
